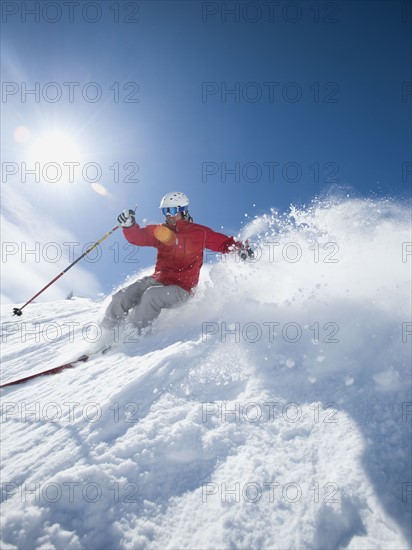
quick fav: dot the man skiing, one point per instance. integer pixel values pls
(180, 244)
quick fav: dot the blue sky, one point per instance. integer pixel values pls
(244, 106)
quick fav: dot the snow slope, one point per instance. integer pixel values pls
(272, 411)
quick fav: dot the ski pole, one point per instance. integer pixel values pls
(18, 310)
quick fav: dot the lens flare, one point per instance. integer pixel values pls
(99, 189)
(21, 134)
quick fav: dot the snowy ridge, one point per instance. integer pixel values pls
(272, 411)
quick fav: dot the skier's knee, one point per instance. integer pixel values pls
(151, 298)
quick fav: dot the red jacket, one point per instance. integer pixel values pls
(179, 249)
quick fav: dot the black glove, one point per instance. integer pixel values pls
(245, 252)
(126, 218)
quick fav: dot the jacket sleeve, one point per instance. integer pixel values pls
(218, 242)
(141, 236)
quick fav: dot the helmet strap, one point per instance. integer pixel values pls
(186, 216)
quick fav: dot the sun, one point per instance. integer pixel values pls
(57, 157)
(54, 147)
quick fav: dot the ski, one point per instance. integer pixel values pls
(55, 370)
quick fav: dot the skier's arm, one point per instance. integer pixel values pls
(222, 243)
(218, 242)
(141, 236)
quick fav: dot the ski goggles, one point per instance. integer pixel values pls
(173, 210)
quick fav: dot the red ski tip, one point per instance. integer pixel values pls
(54, 370)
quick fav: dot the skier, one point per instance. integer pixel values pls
(180, 244)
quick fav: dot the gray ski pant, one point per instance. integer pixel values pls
(148, 297)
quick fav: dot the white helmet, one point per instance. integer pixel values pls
(175, 199)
